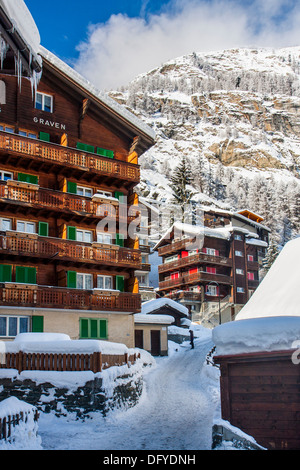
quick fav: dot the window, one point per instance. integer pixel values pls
(211, 251)
(104, 238)
(25, 275)
(5, 128)
(104, 193)
(84, 236)
(5, 273)
(143, 279)
(11, 326)
(83, 191)
(174, 276)
(238, 253)
(29, 134)
(170, 258)
(84, 281)
(250, 258)
(24, 177)
(250, 276)
(27, 227)
(5, 224)
(238, 237)
(105, 152)
(212, 290)
(6, 175)
(44, 102)
(92, 328)
(211, 270)
(239, 271)
(240, 290)
(104, 282)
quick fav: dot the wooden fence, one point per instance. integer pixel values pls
(7, 423)
(95, 362)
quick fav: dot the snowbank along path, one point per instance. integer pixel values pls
(175, 411)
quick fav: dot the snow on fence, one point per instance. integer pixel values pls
(13, 413)
(51, 352)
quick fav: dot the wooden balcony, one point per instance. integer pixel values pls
(175, 246)
(44, 156)
(195, 259)
(34, 296)
(68, 251)
(186, 278)
(36, 199)
(253, 284)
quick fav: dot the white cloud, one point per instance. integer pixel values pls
(123, 47)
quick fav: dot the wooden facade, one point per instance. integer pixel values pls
(68, 169)
(260, 395)
(220, 266)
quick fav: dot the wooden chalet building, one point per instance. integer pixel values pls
(214, 269)
(68, 161)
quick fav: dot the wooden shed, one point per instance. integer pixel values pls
(260, 394)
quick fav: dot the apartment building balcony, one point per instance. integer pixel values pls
(22, 152)
(36, 199)
(13, 244)
(34, 296)
(176, 246)
(253, 283)
(194, 259)
(200, 276)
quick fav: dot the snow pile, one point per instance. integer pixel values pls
(152, 305)
(23, 435)
(278, 293)
(55, 343)
(258, 334)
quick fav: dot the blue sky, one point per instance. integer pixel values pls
(113, 41)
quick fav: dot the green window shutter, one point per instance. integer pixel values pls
(27, 178)
(72, 187)
(37, 324)
(103, 329)
(94, 329)
(72, 279)
(84, 328)
(120, 239)
(43, 229)
(120, 283)
(44, 136)
(105, 152)
(119, 195)
(25, 275)
(5, 273)
(85, 147)
(71, 233)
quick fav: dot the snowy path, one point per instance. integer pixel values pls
(175, 411)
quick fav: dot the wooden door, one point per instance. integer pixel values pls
(155, 342)
(139, 339)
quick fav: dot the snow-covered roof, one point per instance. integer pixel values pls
(254, 241)
(99, 95)
(153, 305)
(278, 293)
(157, 319)
(257, 334)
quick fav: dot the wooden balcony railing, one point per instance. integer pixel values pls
(66, 156)
(176, 246)
(41, 198)
(196, 277)
(22, 295)
(67, 250)
(194, 259)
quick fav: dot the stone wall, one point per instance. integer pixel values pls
(97, 393)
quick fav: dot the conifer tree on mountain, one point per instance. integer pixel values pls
(271, 255)
(180, 181)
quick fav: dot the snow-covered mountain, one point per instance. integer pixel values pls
(234, 115)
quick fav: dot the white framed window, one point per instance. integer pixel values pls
(5, 128)
(250, 258)
(84, 281)
(84, 191)
(84, 236)
(210, 251)
(10, 326)
(5, 224)
(238, 237)
(103, 237)
(239, 271)
(212, 290)
(143, 279)
(29, 134)
(26, 227)
(104, 193)
(170, 259)
(240, 290)
(238, 253)
(44, 102)
(6, 175)
(104, 282)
